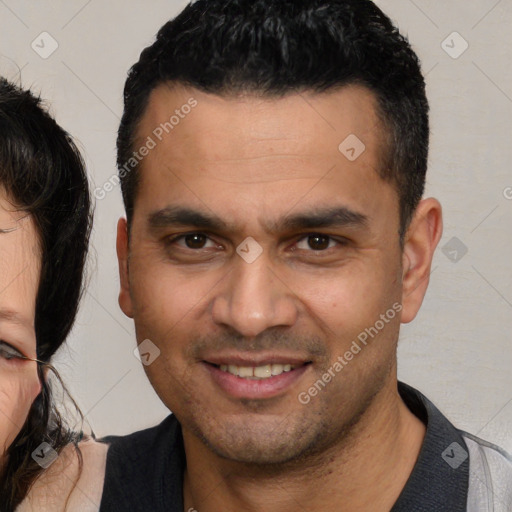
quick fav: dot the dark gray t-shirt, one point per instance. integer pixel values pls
(144, 470)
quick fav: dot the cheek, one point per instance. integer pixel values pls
(165, 309)
(170, 309)
(164, 300)
(351, 298)
(17, 392)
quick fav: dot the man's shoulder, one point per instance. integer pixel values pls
(489, 452)
(455, 471)
(164, 431)
(490, 475)
(144, 470)
(142, 447)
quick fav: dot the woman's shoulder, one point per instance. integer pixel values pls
(73, 482)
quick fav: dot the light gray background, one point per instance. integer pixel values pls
(458, 351)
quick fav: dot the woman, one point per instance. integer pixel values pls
(45, 222)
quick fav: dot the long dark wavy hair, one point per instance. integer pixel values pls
(43, 173)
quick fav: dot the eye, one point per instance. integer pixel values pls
(316, 242)
(193, 241)
(8, 352)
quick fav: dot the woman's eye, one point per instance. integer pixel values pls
(316, 242)
(8, 352)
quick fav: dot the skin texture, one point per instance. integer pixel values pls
(65, 486)
(252, 162)
(19, 280)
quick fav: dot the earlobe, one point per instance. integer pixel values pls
(125, 301)
(421, 239)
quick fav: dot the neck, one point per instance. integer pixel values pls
(364, 472)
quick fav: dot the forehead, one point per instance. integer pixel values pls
(260, 147)
(304, 122)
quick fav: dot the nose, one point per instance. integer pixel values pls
(253, 298)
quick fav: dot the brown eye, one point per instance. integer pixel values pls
(318, 242)
(195, 241)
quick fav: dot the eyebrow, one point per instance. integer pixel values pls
(13, 316)
(330, 217)
(324, 218)
(180, 216)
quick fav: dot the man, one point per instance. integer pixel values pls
(272, 157)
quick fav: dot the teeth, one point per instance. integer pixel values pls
(263, 372)
(277, 369)
(257, 372)
(245, 371)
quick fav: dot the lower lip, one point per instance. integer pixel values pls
(239, 387)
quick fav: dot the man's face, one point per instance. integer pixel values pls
(323, 263)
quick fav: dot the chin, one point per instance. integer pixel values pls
(272, 444)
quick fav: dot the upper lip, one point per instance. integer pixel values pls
(262, 359)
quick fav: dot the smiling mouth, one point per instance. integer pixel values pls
(262, 372)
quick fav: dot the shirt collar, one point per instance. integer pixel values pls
(440, 478)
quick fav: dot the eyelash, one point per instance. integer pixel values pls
(9, 353)
(339, 241)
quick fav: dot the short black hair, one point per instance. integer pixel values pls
(273, 48)
(43, 174)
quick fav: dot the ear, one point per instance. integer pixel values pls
(420, 241)
(122, 250)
